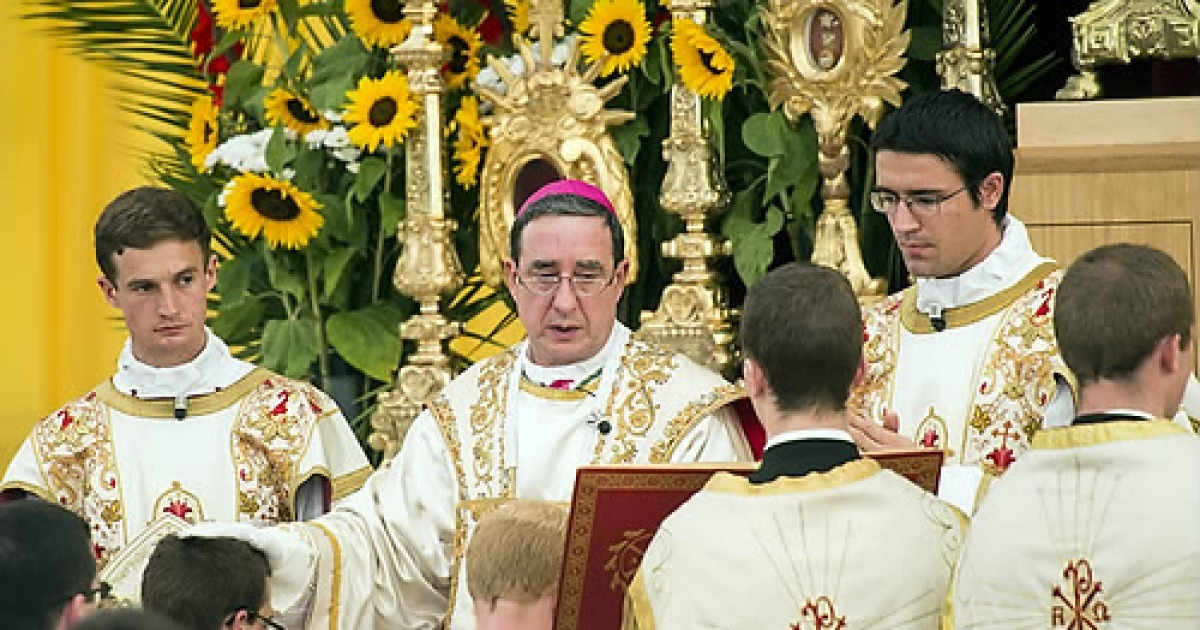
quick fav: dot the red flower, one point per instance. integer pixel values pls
(1002, 457)
(490, 29)
(178, 508)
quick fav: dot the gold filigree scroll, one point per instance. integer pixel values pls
(966, 61)
(1115, 31)
(834, 60)
(549, 123)
(693, 317)
(428, 266)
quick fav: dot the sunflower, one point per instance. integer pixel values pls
(293, 112)
(464, 46)
(471, 141)
(235, 14)
(285, 215)
(704, 65)
(381, 110)
(518, 14)
(617, 32)
(378, 23)
(202, 130)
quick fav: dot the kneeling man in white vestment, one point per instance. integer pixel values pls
(824, 538)
(579, 390)
(1098, 525)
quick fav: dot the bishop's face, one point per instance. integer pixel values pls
(563, 326)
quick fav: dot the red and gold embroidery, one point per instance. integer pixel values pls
(182, 503)
(1079, 605)
(819, 614)
(274, 425)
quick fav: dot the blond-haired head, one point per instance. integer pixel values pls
(516, 551)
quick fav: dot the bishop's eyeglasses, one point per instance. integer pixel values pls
(584, 284)
(920, 204)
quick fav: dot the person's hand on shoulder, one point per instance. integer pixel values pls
(871, 436)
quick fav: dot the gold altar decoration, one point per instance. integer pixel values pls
(835, 59)
(1115, 31)
(428, 267)
(966, 61)
(549, 123)
(693, 317)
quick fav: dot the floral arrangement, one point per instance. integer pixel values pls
(286, 121)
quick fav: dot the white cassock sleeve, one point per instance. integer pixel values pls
(717, 437)
(385, 551)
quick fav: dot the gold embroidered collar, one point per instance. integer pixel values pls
(918, 323)
(845, 474)
(1103, 433)
(586, 388)
(197, 405)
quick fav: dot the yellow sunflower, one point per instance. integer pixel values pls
(293, 111)
(618, 29)
(202, 130)
(518, 14)
(381, 110)
(470, 143)
(234, 14)
(704, 65)
(464, 46)
(378, 22)
(285, 215)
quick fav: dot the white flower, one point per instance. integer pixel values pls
(352, 167)
(229, 186)
(332, 116)
(244, 153)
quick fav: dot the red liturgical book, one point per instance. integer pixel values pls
(616, 510)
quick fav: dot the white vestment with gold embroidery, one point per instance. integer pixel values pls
(390, 556)
(250, 439)
(857, 545)
(981, 387)
(1097, 526)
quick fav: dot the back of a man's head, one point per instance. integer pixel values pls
(802, 326)
(1115, 304)
(126, 619)
(516, 554)
(200, 583)
(46, 560)
(144, 217)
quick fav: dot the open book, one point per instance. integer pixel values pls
(616, 510)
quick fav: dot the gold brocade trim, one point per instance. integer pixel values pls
(444, 416)
(197, 405)
(549, 393)
(1104, 433)
(335, 586)
(918, 323)
(639, 615)
(683, 422)
(350, 482)
(41, 493)
(985, 484)
(848, 473)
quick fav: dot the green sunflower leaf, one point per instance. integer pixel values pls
(370, 171)
(765, 134)
(280, 152)
(233, 280)
(629, 137)
(335, 266)
(238, 323)
(244, 78)
(335, 71)
(753, 242)
(289, 346)
(368, 339)
(392, 210)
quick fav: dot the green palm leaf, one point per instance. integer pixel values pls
(145, 42)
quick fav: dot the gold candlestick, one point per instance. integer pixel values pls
(966, 62)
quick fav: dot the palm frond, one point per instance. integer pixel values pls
(145, 42)
(1013, 27)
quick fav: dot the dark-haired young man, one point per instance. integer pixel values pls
(1098, 525)
(183, 427)
(965, 359)
(822, 534)
(580, 390)
(47, 570)
(209, 584)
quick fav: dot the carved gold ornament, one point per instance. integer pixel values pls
(549, 123)
(834, 60)
(428, 267)
(693, 316)
(1115, 31)
(966, 62)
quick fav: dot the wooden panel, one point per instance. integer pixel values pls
(1109, 122)
(1066, 242)
(1066, 198)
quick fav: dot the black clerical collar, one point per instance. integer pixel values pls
(799, 457)
(1111, 416)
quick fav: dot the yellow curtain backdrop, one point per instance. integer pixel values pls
(68, 154)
